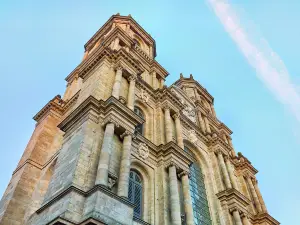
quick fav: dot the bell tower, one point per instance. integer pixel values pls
(122, 148)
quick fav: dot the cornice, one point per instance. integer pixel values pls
(242, 164)
(55, 105)
(134, 26)
(217, 142)
(36, 164)
(234, 199)
(73, 188)
(183, 81)
(264, 218)
(172, 148)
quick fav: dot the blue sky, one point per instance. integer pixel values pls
(41, 43)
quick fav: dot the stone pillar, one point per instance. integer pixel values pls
(178, 130)
(245, 220)
(174, 196)
(253, 193)
(168, 125)
(125, 165)
(225, 138)
(231, 173)
(116, 43)
(213, 110)
(201, 122)
(162, 83)
(187, 200)
(117, 84)
(154, 80)
(131, 92)
(197, 96)
(236, 217)
(104, 160)
(261, 200)
(223, 169)
(207, 125)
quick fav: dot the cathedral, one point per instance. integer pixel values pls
(122, 148)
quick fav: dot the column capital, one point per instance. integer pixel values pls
(218, 151)
(176, 115)
(118, 67)
(132, 77)
(170, 164)
(110, 119)
(126, 133)
(166, 106)
(184, 173)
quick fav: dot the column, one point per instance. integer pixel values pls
(116, 43)
(125, 165)
(154, 80)
(162, 83)
(245, 220)
(261, 200)
(187, 200)
(168, 126)
(104, 160)
(201, 122)
(207, 125)
(236, 217)
(253, 193)
(213, 110)
(117, 84)
(131, 92)
(231, 173)
(225, 138)
(197, 96)
(223, 169)
(178, 130)
(174, 196)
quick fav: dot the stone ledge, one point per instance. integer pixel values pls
(264, 218)
(234, 199)
(85, 194)
(138, 220)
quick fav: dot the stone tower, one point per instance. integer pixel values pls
(121, 147)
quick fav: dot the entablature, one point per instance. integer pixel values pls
(234, 200)
(111, 110)
(264, 218)
(244, 166)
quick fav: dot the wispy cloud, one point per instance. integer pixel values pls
(270, 69)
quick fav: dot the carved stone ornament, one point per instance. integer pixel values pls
(144, 96)
(192, 136)
(143, 151)
(111, 182)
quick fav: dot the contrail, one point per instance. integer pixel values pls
(270, 69)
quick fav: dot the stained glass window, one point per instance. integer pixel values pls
(135, 193)
(198, 194)
(139, 128)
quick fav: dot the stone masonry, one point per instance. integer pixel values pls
(120, 147)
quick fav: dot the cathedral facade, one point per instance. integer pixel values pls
(120, 147)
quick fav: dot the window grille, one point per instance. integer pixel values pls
(135, 193)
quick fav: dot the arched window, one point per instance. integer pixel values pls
(198, 194)
(135, 193)
(139, 128)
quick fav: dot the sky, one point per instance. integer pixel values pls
(245, 53)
